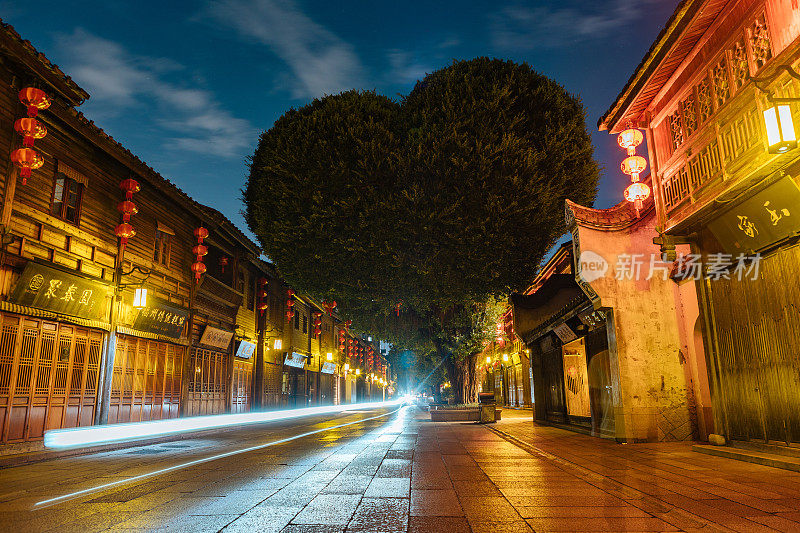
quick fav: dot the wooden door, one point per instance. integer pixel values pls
(757, 349)
(48, 376)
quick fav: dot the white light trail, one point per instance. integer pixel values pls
(71, 496)
(114, 433)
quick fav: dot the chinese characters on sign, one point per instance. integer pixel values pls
(328, 368)
(47, 288)
(162, 318)
(245, 349)
(295, 359)
(763, 219)
(216, 338)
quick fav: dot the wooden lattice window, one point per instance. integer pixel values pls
(759, 42)
(740, 68)
(720, 81)
(676, 129)
(705, 105)
(689, 115)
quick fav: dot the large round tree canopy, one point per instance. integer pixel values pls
(448, 197)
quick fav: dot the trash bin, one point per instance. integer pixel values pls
(487, 403)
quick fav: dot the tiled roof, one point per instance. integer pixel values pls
(615, 218)
(63, 83)
(12, 41)
(674, 43)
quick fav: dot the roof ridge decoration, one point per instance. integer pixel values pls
(615, 218)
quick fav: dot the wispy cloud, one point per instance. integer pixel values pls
(120, 81)
(320, 62)
(523, 27)
(404, 67)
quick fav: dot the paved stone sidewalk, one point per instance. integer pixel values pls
(514, 476)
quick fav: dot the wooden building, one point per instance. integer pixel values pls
(716, 96)
(90, 228)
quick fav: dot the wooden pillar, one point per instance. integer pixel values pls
(188, 371)
(257, 395)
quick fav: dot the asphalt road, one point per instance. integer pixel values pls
(259, 477)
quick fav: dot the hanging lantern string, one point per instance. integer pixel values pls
(199, 251)
(633, 165)
(127, 208)
(26, 158)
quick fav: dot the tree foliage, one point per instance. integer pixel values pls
(443, 202)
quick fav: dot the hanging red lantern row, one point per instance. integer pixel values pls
(329, 307)
(342, 342)
(633, 165)
(199, 251)
(26, 158)
(289, 304)
(127, 208)
(317, 324)
(262, 296)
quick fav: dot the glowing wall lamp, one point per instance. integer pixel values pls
(140, 298)
(277, 345)
(329, 356)
(778, 116)
(780, 129)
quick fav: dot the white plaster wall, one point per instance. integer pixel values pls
(652, 396)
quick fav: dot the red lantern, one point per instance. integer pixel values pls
(199, 268)
(630, 139)
(290, 314)
(200, 250)
(289, 303)
(633, 166)
(637, 193)
(201, 233)
(130, 186)
(125, 231)
(30, 129)
(27, 159)
(34, 99)
(127, 208)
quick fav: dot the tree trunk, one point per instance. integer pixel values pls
(463, 375)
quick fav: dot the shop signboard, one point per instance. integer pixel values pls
(564, 333)
(762, 219)
(161, 317)
(216, 338)
(296, 360)
(328, 368)
(62, 292)
(245, 349)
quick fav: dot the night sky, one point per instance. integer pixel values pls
(188, 86)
